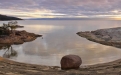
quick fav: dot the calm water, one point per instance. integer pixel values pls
(60, 38)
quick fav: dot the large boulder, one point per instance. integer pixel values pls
(70, 62)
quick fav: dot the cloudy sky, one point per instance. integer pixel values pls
(61, 8)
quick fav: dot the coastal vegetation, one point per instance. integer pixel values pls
(6, 29)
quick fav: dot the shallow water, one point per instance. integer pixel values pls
(59, 39)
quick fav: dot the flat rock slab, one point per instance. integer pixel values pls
(110, 36)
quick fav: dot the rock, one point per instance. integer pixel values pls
(38, 35)
(18, 38)
(109, 36)
(70, 62)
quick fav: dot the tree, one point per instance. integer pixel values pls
(4, 30)
(12, 25)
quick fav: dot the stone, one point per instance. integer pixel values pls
(70, 62)
(109, 36)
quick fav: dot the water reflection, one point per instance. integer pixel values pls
(9, 51)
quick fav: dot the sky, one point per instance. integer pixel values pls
(61, 8)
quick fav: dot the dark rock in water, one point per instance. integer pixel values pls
(70, 62)
(110, 36)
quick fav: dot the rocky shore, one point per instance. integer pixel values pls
(110, 36)
(18, 37)
(8, 67)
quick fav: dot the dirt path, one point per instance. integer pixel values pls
(8, 67)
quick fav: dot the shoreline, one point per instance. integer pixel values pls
(108, 36)
(9, 67)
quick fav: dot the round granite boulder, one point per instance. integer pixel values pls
(70, 62)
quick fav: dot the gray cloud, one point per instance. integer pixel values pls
(68, 7)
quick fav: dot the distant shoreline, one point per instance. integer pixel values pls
(69, 19)
(7, 18)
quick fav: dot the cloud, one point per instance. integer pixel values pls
(57, 8)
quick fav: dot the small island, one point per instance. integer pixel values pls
(8, 34)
